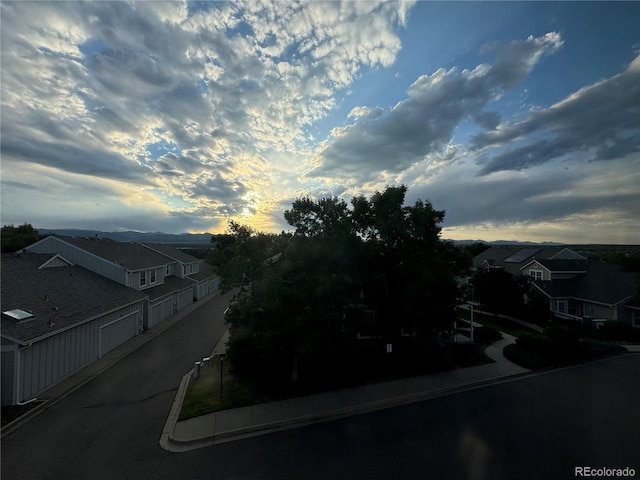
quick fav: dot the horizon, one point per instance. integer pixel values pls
(464, 240)
(518, 119)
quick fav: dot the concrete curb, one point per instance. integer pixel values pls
(171, 443)
(272, 427)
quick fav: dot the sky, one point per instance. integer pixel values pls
(520, 119)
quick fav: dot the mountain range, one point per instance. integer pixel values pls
(205, 238)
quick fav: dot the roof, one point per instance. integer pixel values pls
(63, 296)
(132, 256)
(172, 252)
(512, 258)
(206, 271)
(170, 285)
(603, 283)
(561, 265)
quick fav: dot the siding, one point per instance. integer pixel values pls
(49, 360)
(82, 258)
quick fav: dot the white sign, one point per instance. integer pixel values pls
(389, 347)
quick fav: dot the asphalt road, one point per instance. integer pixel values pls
(537, 427)
(110, 427)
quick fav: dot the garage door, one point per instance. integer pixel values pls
(160, 312)
(185, 298)
(118, 332)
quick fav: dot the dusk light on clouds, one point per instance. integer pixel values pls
(520, 119)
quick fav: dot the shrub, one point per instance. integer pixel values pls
(614, 330)
(535, 342)
(562, 337)
(486, 335)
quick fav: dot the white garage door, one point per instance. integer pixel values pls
(118, 332)
(160, 312)
(185, 298)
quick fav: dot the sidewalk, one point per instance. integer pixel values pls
(237, 423)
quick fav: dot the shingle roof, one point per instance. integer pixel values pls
(171, 284)
(206, 271)
(132, 256)
(603, 283)
(172, 252)
(64, 295)
(563, 265)
(496, 256)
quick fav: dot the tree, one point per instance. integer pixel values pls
(499, 291)
(376, 252)
(240, 252)
(16, 238)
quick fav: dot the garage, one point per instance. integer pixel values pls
(160, 311)
(118, 332)
(185, 298)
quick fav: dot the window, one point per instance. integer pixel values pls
(535, 274)
(143, 279)
(153, 276)
(168, 272)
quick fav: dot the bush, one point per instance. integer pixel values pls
(562, 337)
(619, 331)
(535, 342)
(486, 335)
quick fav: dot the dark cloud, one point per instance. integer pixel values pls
(599, 122)
(424, 123)
(75, 159)
(554, 196)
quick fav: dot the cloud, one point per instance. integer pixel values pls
(92, 88)
(598, 122)
(393, 140)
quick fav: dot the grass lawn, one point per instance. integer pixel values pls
(324, 373)
(497, 323)
(204, 396)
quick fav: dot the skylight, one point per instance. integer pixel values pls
(18, 315)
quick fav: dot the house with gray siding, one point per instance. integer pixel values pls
(577, 289)
(58, 317)
(170, 278)
(186, 266)
(589, 292)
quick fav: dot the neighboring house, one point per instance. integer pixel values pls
(58, 317)
(598, 293)
(579, 289)
(186, 266)
(166, 279)
(513, 258)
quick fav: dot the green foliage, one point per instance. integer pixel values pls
(241, 252)
(535, 342)
(499, 291)
(15, 238)
(619, 331)
(562, 337)
(376, 254)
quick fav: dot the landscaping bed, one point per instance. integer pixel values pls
(329, 371)
(545, 354)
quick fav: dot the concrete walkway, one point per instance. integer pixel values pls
(237, 423)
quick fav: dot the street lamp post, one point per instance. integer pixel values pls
(221, 371)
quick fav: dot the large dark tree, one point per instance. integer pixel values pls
(499, 291)
(376, 254)
(16, 238)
